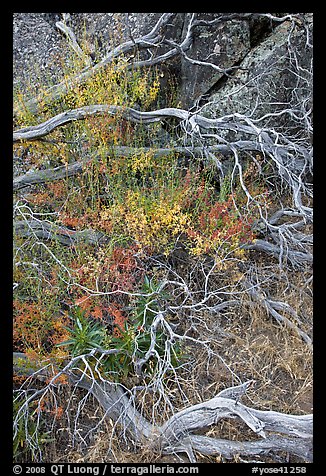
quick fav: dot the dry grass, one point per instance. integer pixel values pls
(245, 344)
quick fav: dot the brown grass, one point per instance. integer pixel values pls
(246, 344)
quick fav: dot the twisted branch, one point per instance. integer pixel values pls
(176, 434)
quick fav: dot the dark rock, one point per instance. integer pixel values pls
(269, 79)
(223, 45)
(259, 28)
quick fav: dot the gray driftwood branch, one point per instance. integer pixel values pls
(278, 310)
(297, 258)
(51, 231)
(194, 121)
(47, 175)
(275, 431)
(64, 171)
(66, 30)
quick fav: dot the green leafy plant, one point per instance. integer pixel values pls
(85, 335)
(131, 337)
(226, 188)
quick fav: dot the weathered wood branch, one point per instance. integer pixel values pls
(51, 231)
(229, 449)
(282, 319)
(63, 171)
(193, 120)
(176, 434)
(73, 42)
(277, 310)
(40, 130)
(295, 257)
(47, 175)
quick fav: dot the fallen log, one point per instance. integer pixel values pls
(51, 231)
(277, 431)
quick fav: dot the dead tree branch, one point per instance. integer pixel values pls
(73, 42)
(176, 434)
(51, 231)
(65, 171)
(297, 258)
(47, 175)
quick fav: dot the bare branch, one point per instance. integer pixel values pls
(47, 175)
(73, 42)
(52, 231)
(175, 435)
(297, 258)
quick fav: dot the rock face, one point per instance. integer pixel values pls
(223, 45)
(274, 73)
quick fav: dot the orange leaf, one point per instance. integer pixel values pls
(97, 312)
